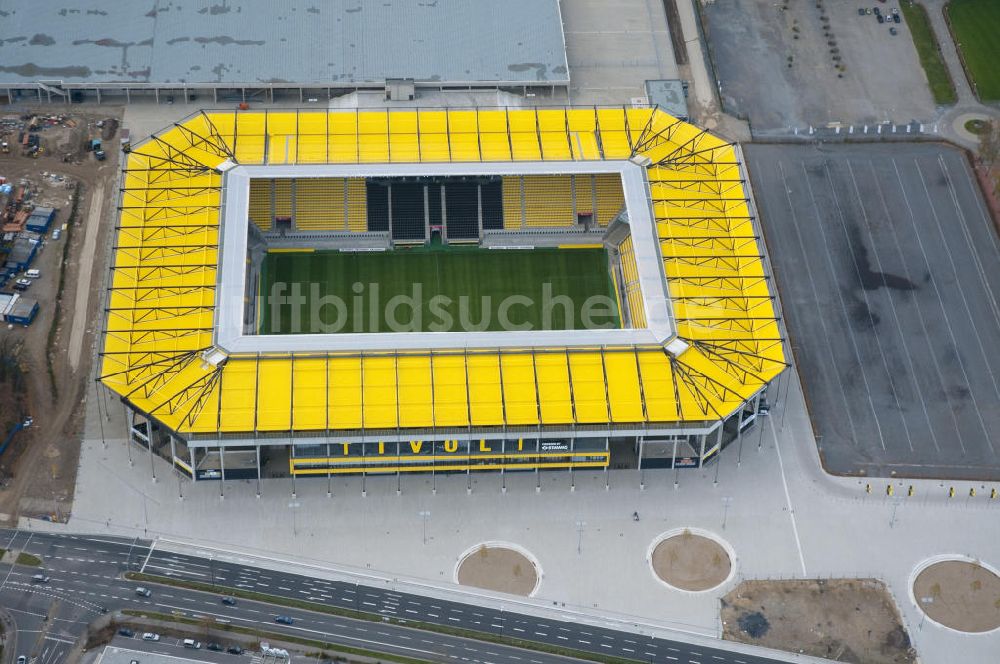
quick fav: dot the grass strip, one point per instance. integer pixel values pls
(290, 602)
(975, 25)
(28, 559)
(257, 634)
(929, 52)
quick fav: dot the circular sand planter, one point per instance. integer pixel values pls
(499, 566)
(691, 560)
(959, 593)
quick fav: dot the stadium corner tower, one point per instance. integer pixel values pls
(253, 325)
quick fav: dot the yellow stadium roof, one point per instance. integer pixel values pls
(158, 343)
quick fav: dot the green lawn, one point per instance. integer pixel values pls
(975, 25)
(452, 289)
(942, 88)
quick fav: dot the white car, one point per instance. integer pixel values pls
(150, 636)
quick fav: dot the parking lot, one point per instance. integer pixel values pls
(888, 268)
(777, 66)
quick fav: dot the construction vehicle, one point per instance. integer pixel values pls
(95, 146)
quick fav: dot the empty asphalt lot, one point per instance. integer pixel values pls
(888, 268)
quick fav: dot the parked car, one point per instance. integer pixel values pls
(861, 11)
(150, 636)
(229, 601)
(284, 620)
(22, 284)
(191, 643)
(22, 660)
(234, 650)
(881, 19)
(33, 273)
(214, 646)
(893, 31)
(126, 632)
(40, 578)
(56, 233)
(896, 19)
(142, 591)
(877, 11)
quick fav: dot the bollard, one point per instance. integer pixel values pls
(951, 492)
(889, 490)
(910, 491)
(972, 492)
(868, 488)
(993, 494)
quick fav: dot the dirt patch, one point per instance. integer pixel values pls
(959, 594)
(38, 470)
(691, 562)
(498, 568)
(849, 620)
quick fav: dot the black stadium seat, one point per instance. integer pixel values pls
(408, 221)
(462, 210)
(378, 206)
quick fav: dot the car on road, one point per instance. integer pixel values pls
(126, 632)
(893, 31)
(142, 591)
(150, 636)
(229, 601)
(191, 643)
(56, 233)
(284, 620)
(22, 660)
(22, 284)
(234, 650)
(40, 578)
(213, 646)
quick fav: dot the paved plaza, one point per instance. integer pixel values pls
(771, 504)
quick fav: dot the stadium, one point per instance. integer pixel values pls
(320, 293)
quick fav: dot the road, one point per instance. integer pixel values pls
(86, 579)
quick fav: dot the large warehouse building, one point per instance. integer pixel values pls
(263, 260)
(298, 50)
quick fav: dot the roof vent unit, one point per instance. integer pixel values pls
(399, 89)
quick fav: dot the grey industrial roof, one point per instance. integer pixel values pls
(314, 42)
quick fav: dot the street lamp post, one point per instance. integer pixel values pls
(424, 514)
(293, 505)
(725, 509)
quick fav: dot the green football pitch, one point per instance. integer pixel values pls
(976, 26)
(437, 290)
